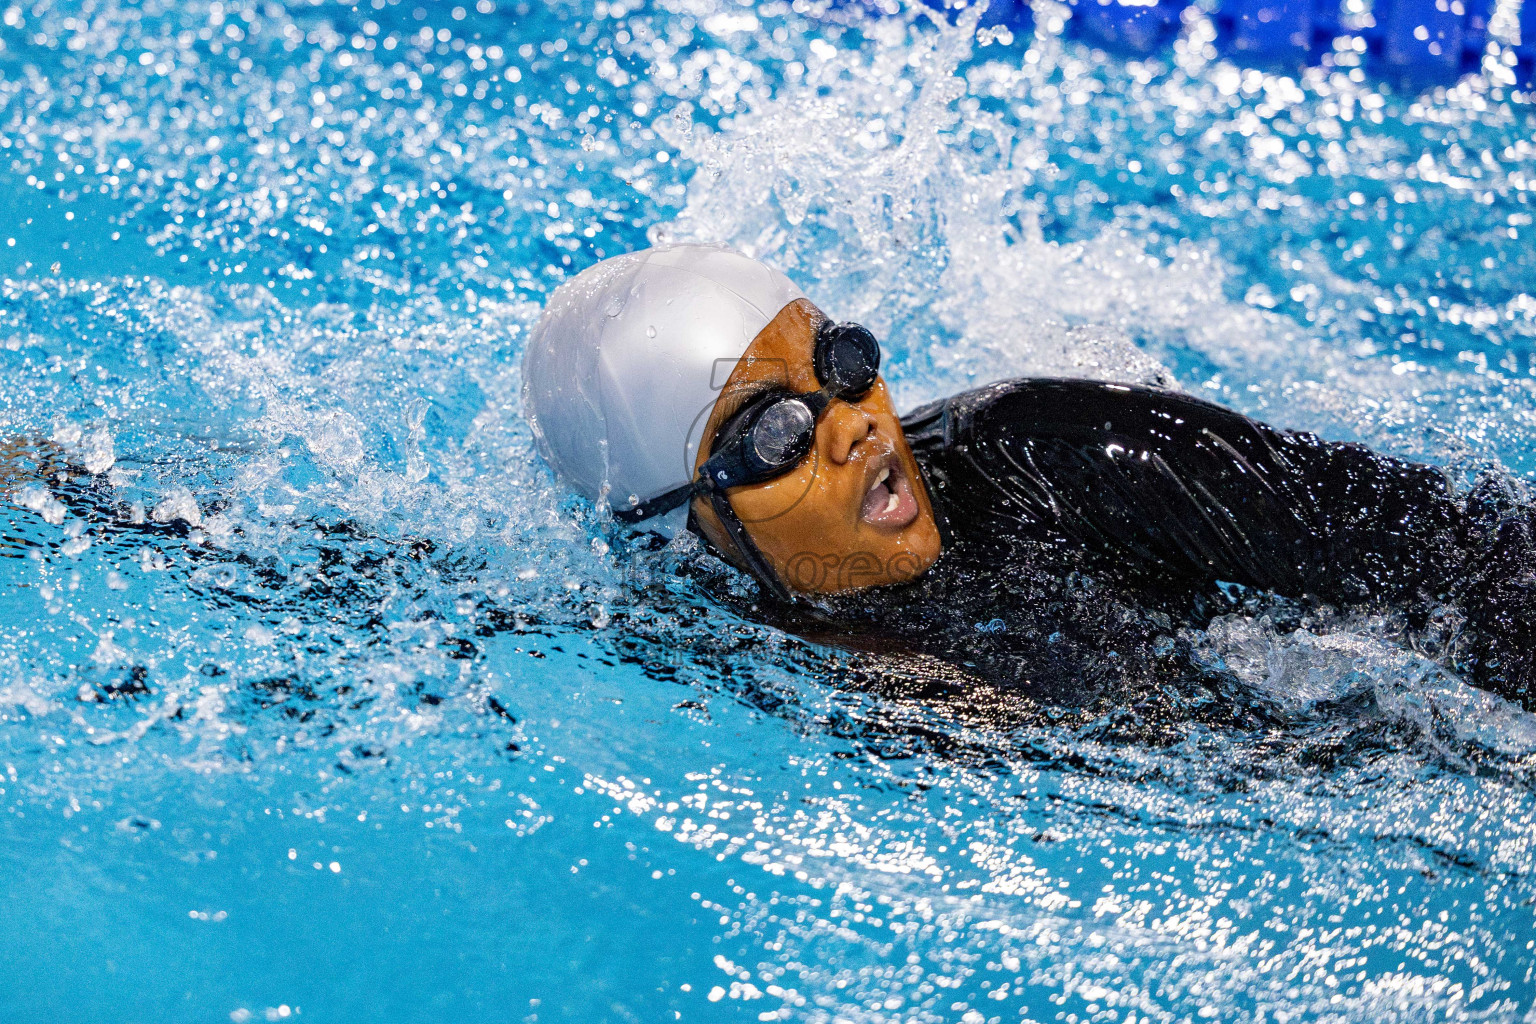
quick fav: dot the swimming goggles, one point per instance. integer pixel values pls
(772, 433)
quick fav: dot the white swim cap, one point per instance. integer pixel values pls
(623, 368)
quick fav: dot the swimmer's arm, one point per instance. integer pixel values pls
(1164, 483)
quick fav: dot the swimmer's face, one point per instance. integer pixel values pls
(854, 513)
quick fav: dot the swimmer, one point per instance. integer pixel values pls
(690, 387)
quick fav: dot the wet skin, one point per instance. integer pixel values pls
(855, 512)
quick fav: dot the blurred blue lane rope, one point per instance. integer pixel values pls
(1420, 42)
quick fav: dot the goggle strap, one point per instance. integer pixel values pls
(660, 504)
(756, 563)
(674, 498)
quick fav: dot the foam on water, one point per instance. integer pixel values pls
(315, 692)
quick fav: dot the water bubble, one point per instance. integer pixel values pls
(178, 505)
(65, 432)
(40, 500)
(96, 453)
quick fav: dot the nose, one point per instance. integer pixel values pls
(843, 427)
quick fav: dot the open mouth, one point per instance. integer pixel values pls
(890, 502)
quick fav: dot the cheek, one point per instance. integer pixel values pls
(802, 512)
(771, 505)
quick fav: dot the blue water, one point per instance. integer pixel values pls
(319, 701)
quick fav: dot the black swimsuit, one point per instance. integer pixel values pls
(1085, 523)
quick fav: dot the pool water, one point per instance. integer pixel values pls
(319, 701)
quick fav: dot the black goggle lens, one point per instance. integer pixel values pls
(783, 434)
(847, 359)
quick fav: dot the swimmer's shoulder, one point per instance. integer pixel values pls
(1057, 401)
(936, 416)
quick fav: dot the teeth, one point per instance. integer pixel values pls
(892, 502)
(884, 474)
